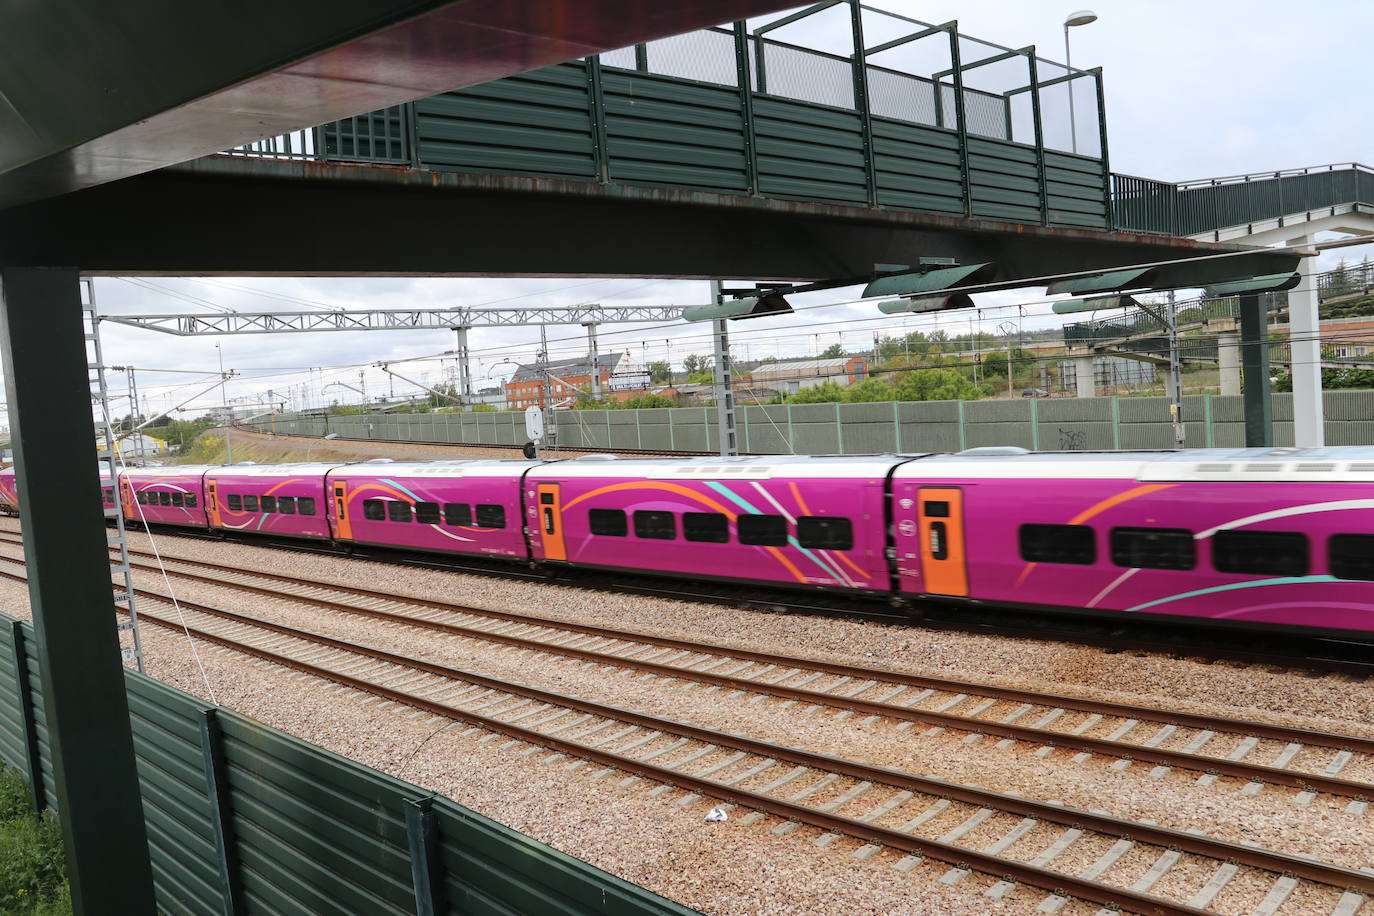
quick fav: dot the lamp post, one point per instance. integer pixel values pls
(1082, 17)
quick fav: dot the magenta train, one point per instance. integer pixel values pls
(1261, 537)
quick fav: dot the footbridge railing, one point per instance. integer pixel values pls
(1213, 204)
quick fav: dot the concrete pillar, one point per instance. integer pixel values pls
(1087, 381)
(1304, 329)
(1254, 361)
(1228, 361)
(84, 700)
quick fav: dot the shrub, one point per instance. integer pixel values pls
(32, 868)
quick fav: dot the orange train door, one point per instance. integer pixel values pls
(551, 522)
(343, 528)
(130, 505)
(212, 497)
(942, 541)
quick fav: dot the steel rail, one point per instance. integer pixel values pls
(1114, 748)
(1048, 879)
(1354, 743)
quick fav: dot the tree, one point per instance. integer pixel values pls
(660, 372)
(834, 351)
(696, 363)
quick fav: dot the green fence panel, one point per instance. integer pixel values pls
(1004, 181)
(929, 426)
(176, 802)
(810, 152)
(490, 869)
(537, 123)
(13, 741)
(917, 167)
(765, 429)
(40, 717)
(666, 131)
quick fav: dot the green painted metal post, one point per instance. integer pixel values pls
(746, 101)
(596, 111)
(33, 753)
(85, 705)
(1034, 72)
(963, 427)
(839, 430)
(896, 427)
(1209, 438)
(860, 63)
(1254, 367)
(1102, 145)
(221, 812)
(1116, 422)
(422, 835)
(960, 116)
(1035, 424)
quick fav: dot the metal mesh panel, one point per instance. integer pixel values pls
(899, 95)
(623, 58)
(707, 56)
(985, 115)
(807, 76)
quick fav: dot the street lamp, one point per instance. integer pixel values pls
(1082, 17)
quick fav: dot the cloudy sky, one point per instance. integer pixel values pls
(1194, 90)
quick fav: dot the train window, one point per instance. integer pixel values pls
(286, 505)
(491, 516)
(190, 500)
(762, 530)
(165, 498)
(235, 502)
(1059, 544)
(546, 499)
(1154, 548)
(1260, 553)
(306, 505)
(608, 522)
(1352, 556)
(142, 498)
(427, 513)
(106, 495)
(656, 525)
(398, 511)
(269, 504)
(825, 532)
(935, 508)
(250, 504)
(178, 499)
(374, 510)
(710, 527)
(457, 514)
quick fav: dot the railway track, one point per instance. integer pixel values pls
(1303, 759)
(1013, 839)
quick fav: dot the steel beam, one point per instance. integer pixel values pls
(85, 704)
(1254, 357)
(191, 324)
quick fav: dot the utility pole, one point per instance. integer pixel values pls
(1175, 374)
(1007, 328)
(725, 382)
(464, 366)
(228, 415)
(594, 359)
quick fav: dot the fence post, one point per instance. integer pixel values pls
(1207, 421)
(746, 97)
(596, 112)
(221, 811)
(33, 754)
(896, 427)
(1116, 422)
(860, 65)
(1035, 424)
(422, 834)
(963, 427)
(839, 430)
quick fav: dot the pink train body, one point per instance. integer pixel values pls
(1256, 537)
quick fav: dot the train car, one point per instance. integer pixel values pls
(1262, 537)
(279, 499)
(164, 495)
(792, 521)
(464, 506)
(9, 492)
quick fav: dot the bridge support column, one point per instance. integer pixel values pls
(1228, 361)
(1084, 376)
(1254, 350)
(87, 710)
(1304, 335)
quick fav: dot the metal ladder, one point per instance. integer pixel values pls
(100, 403)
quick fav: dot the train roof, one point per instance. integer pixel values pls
(1339, 463)
(743, 467)
(168, 470)
(456, 467)
(293, 469)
